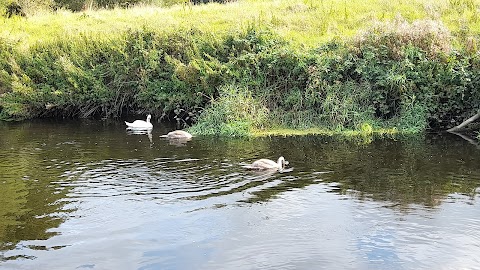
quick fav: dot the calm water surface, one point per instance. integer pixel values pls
(89, 195)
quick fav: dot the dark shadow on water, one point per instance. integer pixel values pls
(412, 170)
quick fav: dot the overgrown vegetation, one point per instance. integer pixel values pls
(404, 73)
(234, 113)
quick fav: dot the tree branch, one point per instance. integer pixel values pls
(466, 122)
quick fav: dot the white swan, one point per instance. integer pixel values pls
(178, 134)
(140, 124)
(267, 164)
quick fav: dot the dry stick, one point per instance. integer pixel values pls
(466, 122)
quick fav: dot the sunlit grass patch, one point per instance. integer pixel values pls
(325, 132)
(360, 136)
(303, 22)
(285, 132)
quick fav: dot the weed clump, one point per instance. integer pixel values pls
(235, 113)
(430, 36)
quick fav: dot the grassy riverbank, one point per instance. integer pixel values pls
(250, 67)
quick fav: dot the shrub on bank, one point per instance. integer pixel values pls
(408, 76)
(134, 72)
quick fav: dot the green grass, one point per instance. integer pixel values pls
(359, 136)
(235, 113)
(305, 23)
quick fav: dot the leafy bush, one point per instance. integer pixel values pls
(79, 5)
(23, 8)
(407, 77)
(14, 9)
(135, 72)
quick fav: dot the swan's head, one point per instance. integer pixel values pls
(149, 117)
(282, 162)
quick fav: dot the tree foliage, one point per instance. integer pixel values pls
(24, 7)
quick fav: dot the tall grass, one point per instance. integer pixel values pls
(234, 113)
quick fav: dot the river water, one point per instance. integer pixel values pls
(90, 195)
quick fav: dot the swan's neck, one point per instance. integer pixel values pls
(281, 163)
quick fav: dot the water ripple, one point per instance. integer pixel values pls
(71, 198)
(167, 179)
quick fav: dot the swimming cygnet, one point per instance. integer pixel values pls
(267, 164)
(178, 134)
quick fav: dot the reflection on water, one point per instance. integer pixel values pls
(86, 194)
(147, 132)
(178, 141)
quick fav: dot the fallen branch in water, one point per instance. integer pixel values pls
(466, 122)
